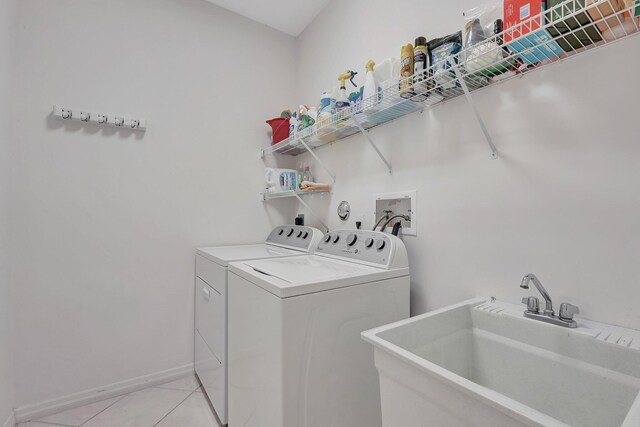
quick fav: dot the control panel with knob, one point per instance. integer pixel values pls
(366, 247)
(297, 237)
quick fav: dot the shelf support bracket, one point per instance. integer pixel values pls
(375, 147)
(303, 203)
(320, 162)
(472, 104)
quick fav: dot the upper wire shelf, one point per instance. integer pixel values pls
(572, 27)
(291, 193)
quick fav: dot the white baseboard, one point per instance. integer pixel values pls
(48, 407)
(11, 421)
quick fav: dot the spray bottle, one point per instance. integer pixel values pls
(342, 101)
(370, 94)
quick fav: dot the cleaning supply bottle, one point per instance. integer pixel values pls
(420, 66)
(306, 175)
(293, 124)
(370, 94)
(326, 109)
(342, 101)
(300, 176)
(406, 71)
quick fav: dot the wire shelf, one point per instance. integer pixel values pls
(570, 28)
(284, 194)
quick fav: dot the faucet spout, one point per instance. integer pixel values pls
(525, 285)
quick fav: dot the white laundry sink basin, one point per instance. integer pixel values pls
(481, 363)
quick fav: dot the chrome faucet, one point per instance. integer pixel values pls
(548, 310)
(567, 311)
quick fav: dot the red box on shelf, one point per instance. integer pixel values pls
(519, 11)
(523, 32)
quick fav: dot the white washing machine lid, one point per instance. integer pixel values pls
(223, 255)
(292, 276)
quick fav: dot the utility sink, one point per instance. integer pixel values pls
(481, 363)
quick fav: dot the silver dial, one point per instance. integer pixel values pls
(369, 242)
(336, 239)
(352, 239)
(305, 234)
(380, 244)
(327, 238)
(290, 232)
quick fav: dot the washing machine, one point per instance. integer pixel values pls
(211, 286)
(295, 354)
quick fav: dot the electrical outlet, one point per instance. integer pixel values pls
(400, 203)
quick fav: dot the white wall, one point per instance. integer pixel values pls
(7, 19)
(108, 221)
(562, 200)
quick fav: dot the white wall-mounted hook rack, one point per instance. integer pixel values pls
(100, 119)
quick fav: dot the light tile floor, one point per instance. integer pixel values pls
(180, 403)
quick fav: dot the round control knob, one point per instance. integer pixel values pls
(380, 244)
(281, 232)
(290, 232)
(352, 239)
(305, 234)
(299, 234)
(369, 242)
(336, 239)
(327, 238)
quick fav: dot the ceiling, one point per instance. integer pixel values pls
(288, 16)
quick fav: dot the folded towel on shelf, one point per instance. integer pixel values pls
(314, 186)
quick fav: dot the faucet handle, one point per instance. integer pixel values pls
(533, 304)
(567, 311)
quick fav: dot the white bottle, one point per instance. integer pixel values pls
(370, 98)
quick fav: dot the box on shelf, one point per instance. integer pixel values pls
(600, 9)
(635, 5)
(564, 26)
(524, 33)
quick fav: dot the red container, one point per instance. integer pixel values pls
(280, 129)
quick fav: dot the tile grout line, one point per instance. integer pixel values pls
(47, 423)
(176, 389)
(176, 407)
(116, 401)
